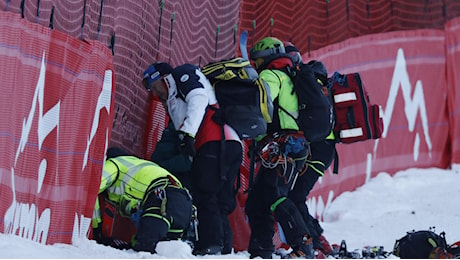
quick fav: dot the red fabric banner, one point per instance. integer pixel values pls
(404, 72)
(453, 82)
(56, 115)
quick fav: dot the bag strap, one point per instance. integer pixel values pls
(252, 160)
(335, 170)
(277, 98)
(118, 173)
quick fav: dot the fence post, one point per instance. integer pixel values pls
(22, 8)
(171, 35)
(162, 5)
(99, 21)
(217, 40)
(51, 24)
(83, 20)
(38, 11)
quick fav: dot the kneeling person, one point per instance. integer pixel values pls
(149, 195)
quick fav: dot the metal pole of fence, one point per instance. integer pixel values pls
(235, 30)
(327, 21)
(100, 21)
(444, 10)
(112, 43)
(368, 15)
(391, 7)
(38, 11)
(271, 27)
(83, 19)
(162, 5)
(51, 25)
(22, 8)
(217, 40)
(253, 32)
(348, 10)
(171, 35)
(367, 8)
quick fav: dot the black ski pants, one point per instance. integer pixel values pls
(153, 226)
(214, 192)
(268, 201)
(322, 151)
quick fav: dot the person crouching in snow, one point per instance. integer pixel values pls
(146, 193)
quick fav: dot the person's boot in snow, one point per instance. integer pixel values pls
(304, 250)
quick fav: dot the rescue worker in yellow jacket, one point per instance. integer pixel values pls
(149, 195)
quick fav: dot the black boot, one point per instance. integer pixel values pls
(263, 249)
(304, 250)
(228, 237)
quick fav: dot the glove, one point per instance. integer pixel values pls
(136, 217)
(187, 144)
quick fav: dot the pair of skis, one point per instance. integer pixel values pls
(367, 252)
(341, 252)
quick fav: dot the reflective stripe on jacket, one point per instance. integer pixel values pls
(127, 178)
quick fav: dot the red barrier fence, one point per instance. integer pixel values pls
(200, 31)
(56, 115)
(453, 82)
(312, 24)
(404, 72)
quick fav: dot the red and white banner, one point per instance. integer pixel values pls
(453, 82)
(55, 122)
(405, 73)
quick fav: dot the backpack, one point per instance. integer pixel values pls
(422, 244)
(115, 230)
(316, 118)
(356, 119)
(244, 99)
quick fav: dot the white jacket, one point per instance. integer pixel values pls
(189, 94)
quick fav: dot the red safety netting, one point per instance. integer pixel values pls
(56, 111)
(202, 31)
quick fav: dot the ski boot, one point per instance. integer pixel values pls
(305, 250)
(341, 252)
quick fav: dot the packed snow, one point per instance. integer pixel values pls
(376, 214)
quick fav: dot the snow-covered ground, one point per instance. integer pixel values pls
(376, 214)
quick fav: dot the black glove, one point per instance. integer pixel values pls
(187, 144)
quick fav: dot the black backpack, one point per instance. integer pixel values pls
(244, 99)
(422, 244)
(316, 116)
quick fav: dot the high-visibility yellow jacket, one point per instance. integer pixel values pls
(126, 180)
(281, 87)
